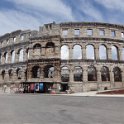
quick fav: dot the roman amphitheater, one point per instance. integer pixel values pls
(73, 56)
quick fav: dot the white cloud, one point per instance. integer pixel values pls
(113, 10)
(30, 14)
(14, 20)
(50, 7)
(91, 11)
(112, 4)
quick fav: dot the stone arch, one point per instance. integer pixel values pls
(21, 55)
(37, 46)
(114, 51)
(66, 65)
(18, 73)
(3, 74)
(50, 47)
(90, 52)
(65, 52)
(105, 76)
(10, 73)
(27, 52)
(26, 73)
(37, 49)
(77, 44)
(49, 71)
(117, 74)
(92, 73)
(78, 73)
(64, 74)
(6, 57)
(12, 56)
(36, 71)
(77, 52)
(102, 52)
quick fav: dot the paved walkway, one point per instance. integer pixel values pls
(41, 109)
(83, 94)
(94, 93)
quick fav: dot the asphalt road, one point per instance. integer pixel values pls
(42, 109)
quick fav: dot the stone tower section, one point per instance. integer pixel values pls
(43, 65)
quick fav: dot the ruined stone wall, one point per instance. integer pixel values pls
(83, 40)
(13, 69)
(37, 51)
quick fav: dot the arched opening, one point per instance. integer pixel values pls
(10, 74)
(78, 74)
(102, 52)
(6, 57)
(92, 74)
(105, 74)
(115, 54)
(21, 55)
(117, 74)
(77, 52)
(49, 71)
(3, 74)
(18, 73)
(65, 52)
(36, 71)
(27, 53)
(65, 74)
(50, 47)
(37, 46)
(26, 74)
(13, 56)
(90, 52)
(37, 49)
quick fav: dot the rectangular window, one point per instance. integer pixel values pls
(89, 32)
(65, 32)
(101, 32)
(113, 34)
(77, 32)
(122, 34)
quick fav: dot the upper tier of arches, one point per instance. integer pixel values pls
(101, 52)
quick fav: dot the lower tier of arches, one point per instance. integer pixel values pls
(73, 76)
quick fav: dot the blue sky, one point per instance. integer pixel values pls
(30, 14)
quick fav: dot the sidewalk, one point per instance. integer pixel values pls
(80, 94)
(94, 93)
(6, 92)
